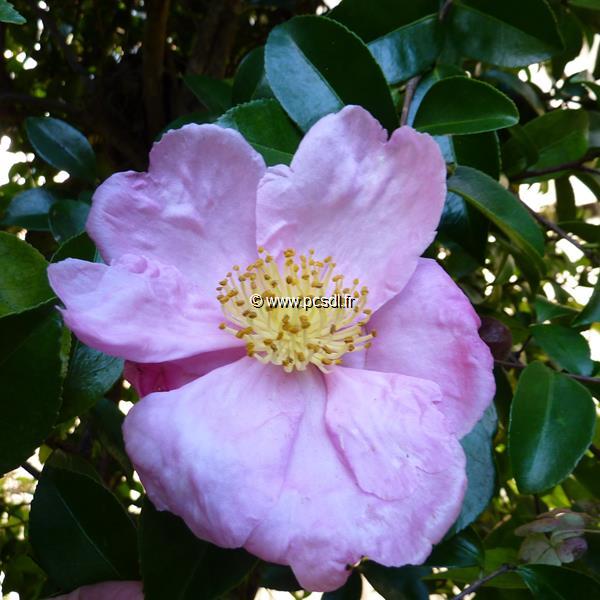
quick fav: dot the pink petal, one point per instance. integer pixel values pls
(430, 330)
(163, 377)
(332, 510)
(139, 309)
(370, 203)
(194, 209)
(215, 452)
(108, 590)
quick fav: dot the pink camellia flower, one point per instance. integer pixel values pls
(310, 437)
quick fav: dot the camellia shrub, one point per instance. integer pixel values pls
(299, 296)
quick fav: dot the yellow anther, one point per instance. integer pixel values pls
(294, 337)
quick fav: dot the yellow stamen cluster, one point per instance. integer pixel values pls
(294, 337)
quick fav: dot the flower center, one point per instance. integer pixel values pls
(296, 313)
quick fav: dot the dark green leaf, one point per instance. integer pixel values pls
(80, 246)
(8, 14)
(481, 473)
(250, 81)
(512, 85)
(67, 219)
(176, 564)
(352, 590)
(462, 550)
(30, 380)
(62, 146)
(80, 532)
(404, 38)
(502, 208)
(462, 223)
(547, 311)
(459, 105)
(565, 199)
(591, 4)
(439, 72)
(480, 151)
(567, 348)
(29, 209)
(591, 313)
(107, 421)
(586, 231)
(393, 583)
(557, 583)
(510, 33)
(560, 136)
(91, 374)
(215, 94)
(316, 58)
(551, 425)
(278, 577)
(23, 279)
(268, 129)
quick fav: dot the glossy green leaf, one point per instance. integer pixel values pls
(67, 219)
(30, 380)
(481, 472)
(396, 583)
(176, 564)
(404, 38)
(351, 590)
(250, 81)
(560, 136)
(557, 583)
(567, 348)
(591, 4)
(461, 223)
(547, 311)
(511, 85)
(62, 146)
(510, 33)
(502, 208)
(439, 72)
(8, 14)
(552, 422)
(91, 374)
(215, 94)
(591, 313)
(266, 127)
(462, 550)
(80, 532)
(459, 105)
(23, 279)
(317, 58)
(29, 210)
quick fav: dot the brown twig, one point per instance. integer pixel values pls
(575, 165)
(548, 224)
(477, 584)
(508, 364)
(31, 470)
(409, 94)
(155, 34)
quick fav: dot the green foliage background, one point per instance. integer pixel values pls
(110, 77)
